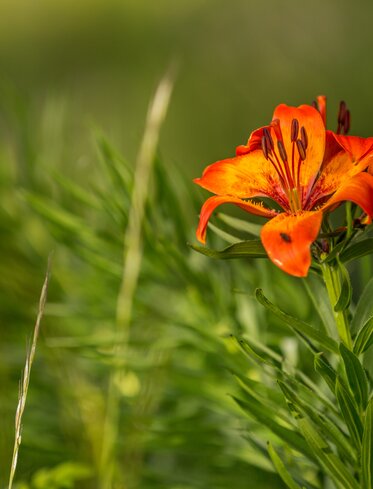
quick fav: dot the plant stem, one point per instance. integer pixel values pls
(333, 286)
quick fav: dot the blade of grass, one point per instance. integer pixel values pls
(25, 382)
(132, 258)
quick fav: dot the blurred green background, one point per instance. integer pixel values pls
(75, 82)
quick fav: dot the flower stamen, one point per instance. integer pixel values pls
(344, 118)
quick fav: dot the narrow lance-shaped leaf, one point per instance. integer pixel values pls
(316, 290)
(281, 469)
(357, 250)
(367, 448)
(243, 249)
(240, 224)
(346, 289)
(364, 308)
(349, 413)
(323, 367)
(364, 338)
(326, 426)
(327, 458)
(267, 418)
(356, 376)
(297, 325)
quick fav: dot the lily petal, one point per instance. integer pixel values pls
(245, 176)
(210, 205)
(254, 142)
(358, 189)
(309, 118)
(287, 239)
(360, 149)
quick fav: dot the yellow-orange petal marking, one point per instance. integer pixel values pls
(287, 239)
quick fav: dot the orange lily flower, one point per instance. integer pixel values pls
(303, 167)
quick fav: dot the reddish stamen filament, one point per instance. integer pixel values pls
(288, 173)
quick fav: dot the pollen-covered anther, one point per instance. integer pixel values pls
(347, 122)
(265, 147)
(269, 140)
(342, 111)
(282, 151)
(294, 130)
(301, 149)
(344, 118)
(304, 137)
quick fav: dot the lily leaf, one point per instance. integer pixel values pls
(364, 308)
(240, 224)
(297, 325)
(357, 250)
(298, 408)
(346, 289)
(366, 451)
(281, 469)
(356, 377)
(316, 290)
(267, 417)
(327, 372)
(364, 339)
(349, 413)
(327, 458)
(243, 249)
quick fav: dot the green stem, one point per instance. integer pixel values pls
(333, 286)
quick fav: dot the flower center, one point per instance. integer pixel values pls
(287, 170)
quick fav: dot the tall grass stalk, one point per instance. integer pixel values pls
(132, 257)
(25, 380)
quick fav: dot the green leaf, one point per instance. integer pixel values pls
(366, 449)
(281, 469)
(356, 377)
(346, 289)
(364, 308)
(349, 413)
(298, 408)
(243, 249)
(335, 252)
(357, 250)
(273, 361)
(327, 458)
(240, 224)
(317, 292)
(297, 325)
(267, 417)
(364, 339)
(323, 367)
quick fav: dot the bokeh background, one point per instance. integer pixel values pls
(74, 73)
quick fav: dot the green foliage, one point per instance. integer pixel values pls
(243, 249)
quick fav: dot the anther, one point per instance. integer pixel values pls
(268, 137)
(304, 137)
(347, 122)
(282, 151)
(342, 112)
(314, 105)
(294, 130)
(301, 149)
(264, 147)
